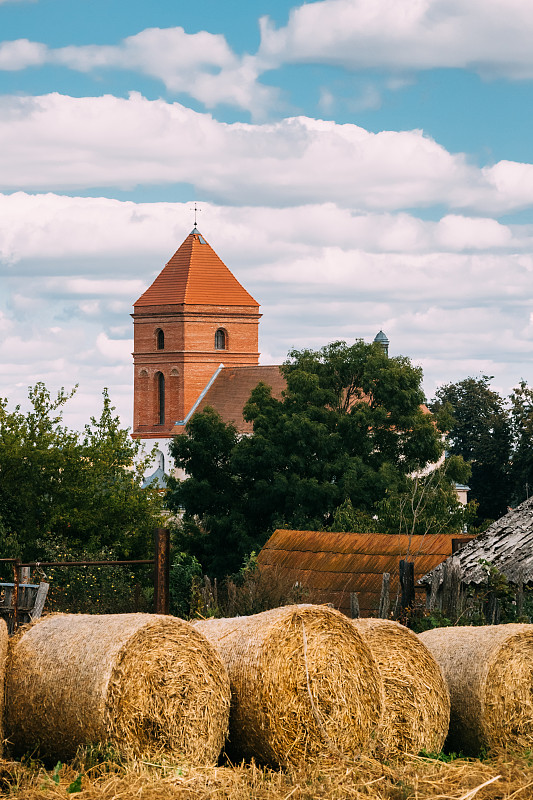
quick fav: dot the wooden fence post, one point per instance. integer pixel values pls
(432, 595)
(451, 589)
(162, 571)
(25, 574)
(407, 583)
(384, 600)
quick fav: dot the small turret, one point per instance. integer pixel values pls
(381, 339)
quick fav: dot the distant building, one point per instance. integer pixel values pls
(195, 343)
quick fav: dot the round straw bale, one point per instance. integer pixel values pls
(303, 683)
(150, 685)
(3, 656)
(417, 703)
(489, 671)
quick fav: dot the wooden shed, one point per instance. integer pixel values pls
(333, 565)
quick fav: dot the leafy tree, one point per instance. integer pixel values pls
(479, 431)
(428, 503)
(57, 485)
(349, 424)
(185, 571)
(416, 505)
(521, 416)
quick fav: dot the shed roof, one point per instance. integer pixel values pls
(332, 565)
(507, 544)
(195, 275)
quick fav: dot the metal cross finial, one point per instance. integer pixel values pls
(196, 210)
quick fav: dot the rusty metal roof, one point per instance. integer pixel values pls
(507, 544)
(331, 565)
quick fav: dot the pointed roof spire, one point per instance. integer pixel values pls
(195, 275)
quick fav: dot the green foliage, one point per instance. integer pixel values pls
(480, 431)
(349, 425)
(350, 519)
(429, 620)
(184, 570)
(75, 786)
(93, 589)
(57, 485)
(521, 416)
(427, 504)
(56, 773)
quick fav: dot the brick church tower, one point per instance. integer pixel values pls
(194, 321)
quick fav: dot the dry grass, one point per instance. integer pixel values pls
(303, 683)
(489, 671)
(3, 657)
(502, 778)
(417, 702)
(150, 684)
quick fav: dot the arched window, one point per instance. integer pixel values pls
(161, 398)
(220, 339)
(160, 340)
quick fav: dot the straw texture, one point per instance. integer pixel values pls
(417, 703)
(489, 671)
(151, 685)
(3, 656)
(303, 683)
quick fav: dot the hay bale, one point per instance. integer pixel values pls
(303, 683)
(417, 703)
(150, 685)
(489, 671)
(3, 656)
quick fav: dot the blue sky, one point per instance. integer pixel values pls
(359, 164)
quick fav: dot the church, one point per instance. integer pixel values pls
(196, 343)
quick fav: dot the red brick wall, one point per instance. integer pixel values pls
(188, 360)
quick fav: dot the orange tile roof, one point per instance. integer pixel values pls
(195, 275)
(331, 565)
(233, 387)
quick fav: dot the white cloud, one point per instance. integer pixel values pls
(85, 234)
(201, 65)
(454, 295)
(492, 37)
(21, 53)
(115, 350)
(63, 142)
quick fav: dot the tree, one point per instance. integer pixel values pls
(428, 503)
(83, 490)
(521, 417)
(479, 430)
(350, 423)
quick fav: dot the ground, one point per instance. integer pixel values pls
(501, 777)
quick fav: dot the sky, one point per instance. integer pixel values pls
(358, 164)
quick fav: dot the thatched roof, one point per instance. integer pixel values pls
(507, 544)
(332, 565)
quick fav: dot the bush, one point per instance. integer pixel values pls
(185, 572)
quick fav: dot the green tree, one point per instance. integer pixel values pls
(479, 430)
(58, 485)
(349, 424)
(427, 503)
(521, 415)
